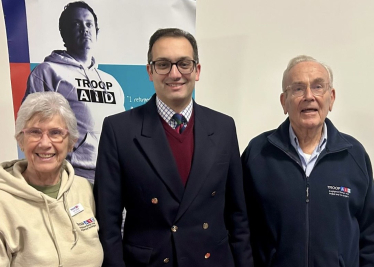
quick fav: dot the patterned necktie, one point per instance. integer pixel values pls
(180, 119)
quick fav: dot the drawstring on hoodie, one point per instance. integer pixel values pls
(74, 230)
(106, 90)
(89, 81)
(53, 232)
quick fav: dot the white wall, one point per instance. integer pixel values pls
(246, 45)
(8, 148)
(244, 48)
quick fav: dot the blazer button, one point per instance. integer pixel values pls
(207, 255)
(174, 228)
(205, 226)
(213, 193)
(166, 260)
(154, 200)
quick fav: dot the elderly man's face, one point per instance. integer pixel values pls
(80, 34)
(307, 112)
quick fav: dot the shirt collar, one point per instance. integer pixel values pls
(167, 113)
(322, 141)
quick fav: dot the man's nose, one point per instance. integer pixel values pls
(174, 72)
(84, 28)
(308, 94)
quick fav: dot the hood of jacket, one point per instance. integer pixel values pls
(62, 57)
(12, 181)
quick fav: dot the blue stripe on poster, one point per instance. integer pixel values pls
(16, 28)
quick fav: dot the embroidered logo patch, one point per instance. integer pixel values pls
(87, 224)
(339, 191)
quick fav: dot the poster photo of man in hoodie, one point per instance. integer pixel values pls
(92, 93)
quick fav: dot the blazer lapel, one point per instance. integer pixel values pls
(155, 145)
(203, 159)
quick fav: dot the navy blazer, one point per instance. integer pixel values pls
(202, 224)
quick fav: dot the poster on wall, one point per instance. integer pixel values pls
(93, 52)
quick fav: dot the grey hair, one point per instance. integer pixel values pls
(303, 58)
(45, 105)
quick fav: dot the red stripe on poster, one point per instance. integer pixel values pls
(19, 72)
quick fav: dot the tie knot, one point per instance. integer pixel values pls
(180, 119)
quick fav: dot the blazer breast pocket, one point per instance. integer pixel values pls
(220, 167)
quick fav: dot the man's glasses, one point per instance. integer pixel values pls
(184, 66)
(56, 135)
(299, 89)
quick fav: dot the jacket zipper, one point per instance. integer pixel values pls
(307, 222)
(307, 199)
(307, 210)
(307, 227)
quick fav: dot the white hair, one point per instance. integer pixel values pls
(304, 58)
(45, 105)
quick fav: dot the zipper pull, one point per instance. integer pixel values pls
(307, 190)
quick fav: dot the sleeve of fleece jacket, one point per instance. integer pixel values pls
(366, 221)
(5, 255)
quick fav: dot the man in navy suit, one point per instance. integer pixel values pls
(178, 176)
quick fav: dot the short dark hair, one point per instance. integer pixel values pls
(63, 23)
(173, 32)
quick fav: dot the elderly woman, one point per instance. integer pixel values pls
(46, 212)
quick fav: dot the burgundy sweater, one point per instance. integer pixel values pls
(182, 146)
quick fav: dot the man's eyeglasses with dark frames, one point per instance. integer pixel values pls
(163, 67)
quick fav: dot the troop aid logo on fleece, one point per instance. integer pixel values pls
(95, 91)
(87, 224)
(339, 191)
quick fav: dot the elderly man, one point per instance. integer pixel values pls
(176, 169)
(309, 188)
(92, 93)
